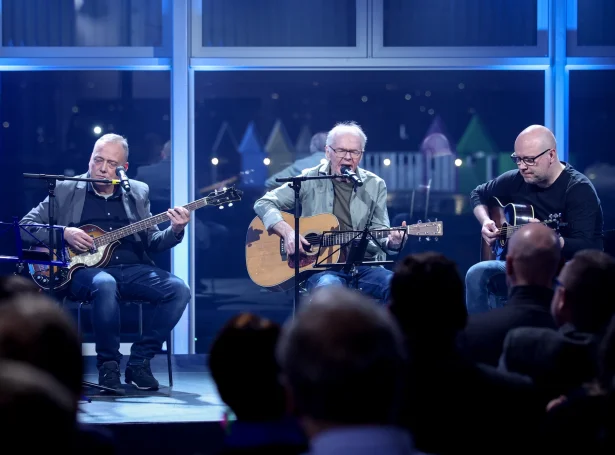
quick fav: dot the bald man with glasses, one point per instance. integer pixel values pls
(551, 187)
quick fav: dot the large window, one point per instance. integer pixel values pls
(244, 118)
(50, 121)
(592, 116)
(273, 23)
(459, 23)
(43, 23)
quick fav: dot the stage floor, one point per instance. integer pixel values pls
(193, 398)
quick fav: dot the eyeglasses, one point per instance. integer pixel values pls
(342, 152)
(528, 160)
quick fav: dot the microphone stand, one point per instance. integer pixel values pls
(295, 184)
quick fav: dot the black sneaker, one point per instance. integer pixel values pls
(141, 376)
(109, 375)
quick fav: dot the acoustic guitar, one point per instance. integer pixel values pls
(269, 266)
(106, 242)
(508, 219)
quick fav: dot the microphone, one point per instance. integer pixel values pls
(121, 173)
(346, 172)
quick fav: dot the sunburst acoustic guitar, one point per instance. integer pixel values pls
(106, 242)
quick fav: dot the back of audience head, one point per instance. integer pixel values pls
(35, 330)
(243, 365)
(428, 297)
(533, 256)
(12, 285)
(343, 361)
(583, 295)
(31, 398)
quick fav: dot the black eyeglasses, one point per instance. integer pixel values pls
(343, 152)
(528, 160)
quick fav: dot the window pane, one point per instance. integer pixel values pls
(82, 23)
(51, 119)
(459, 23)
(243, 117)
(283, 23)
(592, 116)
(595, 20)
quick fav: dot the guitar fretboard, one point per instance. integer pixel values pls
(143, 224)
(345, 237)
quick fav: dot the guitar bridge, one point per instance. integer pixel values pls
(283, 254)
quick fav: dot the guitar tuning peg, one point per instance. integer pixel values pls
(435, 220)
(427, 239)
(420, 239)
(435, 239)
(419, 222)
(428, 220)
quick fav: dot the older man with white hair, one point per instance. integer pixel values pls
(354, 206)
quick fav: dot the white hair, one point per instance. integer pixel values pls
(111, 138)
(347, 128)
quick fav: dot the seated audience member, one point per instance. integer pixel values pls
(563, 359)
(33, 401)
(343, 362)
(11, 285)
(36, 331)
(452, 404)
(531, 265)
(583, 421)
(242, 363)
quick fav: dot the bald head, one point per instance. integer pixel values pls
(338, 346)
(536, 135)
(535, 149)
(533, 256)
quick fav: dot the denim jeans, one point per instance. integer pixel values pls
(104, 288)
(372, 281)
(486, 286)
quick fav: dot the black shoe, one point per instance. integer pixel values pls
(109, 375)
(141, 376)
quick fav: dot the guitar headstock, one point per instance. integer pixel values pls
(224, 196)
(426, 230)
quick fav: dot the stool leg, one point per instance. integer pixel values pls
(169, 363)
(140, 319)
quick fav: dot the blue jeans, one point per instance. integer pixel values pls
(486, 286)
(104, 288)
(372, 281)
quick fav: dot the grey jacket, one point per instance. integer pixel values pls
(69, 200)
(316, 196)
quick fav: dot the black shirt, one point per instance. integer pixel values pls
(572, 195)
(109, 214)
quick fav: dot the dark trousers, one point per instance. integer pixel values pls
(104, 288)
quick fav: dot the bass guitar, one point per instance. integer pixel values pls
(106, 242)
(269, 265)
(508, 219)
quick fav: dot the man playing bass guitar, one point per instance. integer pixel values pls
(548, 185)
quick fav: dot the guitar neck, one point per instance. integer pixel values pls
(345, 237)
(143, 224)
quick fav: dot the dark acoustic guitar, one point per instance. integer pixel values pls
(508, 219)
